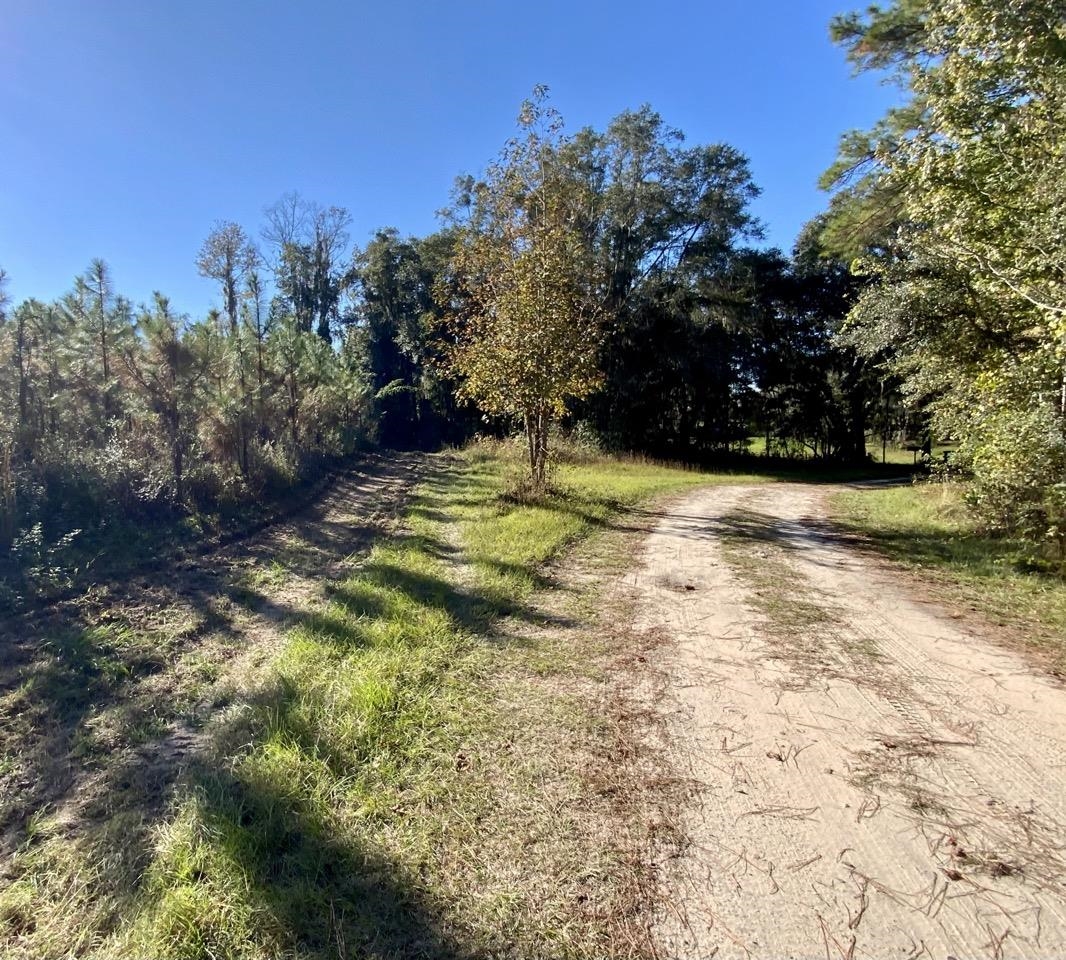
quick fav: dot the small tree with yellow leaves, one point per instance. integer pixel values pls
(523, 310)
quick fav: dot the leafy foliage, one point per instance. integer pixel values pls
(393, 323)
(968, 291)
(524, 311)
(655, 327)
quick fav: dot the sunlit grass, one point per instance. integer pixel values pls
(507, 542)
(367, 798)
(904, 456)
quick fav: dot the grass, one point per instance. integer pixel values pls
(926, 526)
(895, 454)
(751, 548)
(509, 542)
(405, 780)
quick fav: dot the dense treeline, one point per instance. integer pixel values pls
(703, 340)
(112, 413)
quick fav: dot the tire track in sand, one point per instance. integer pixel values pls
(872, 778)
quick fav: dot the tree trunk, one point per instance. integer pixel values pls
(106, 365)
(536, 424)
(230, 287)
(294, 401)
(243, 421)
(529, 444)
(538, 444)
(7, 496)
(179, 482)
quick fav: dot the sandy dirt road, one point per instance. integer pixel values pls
(869, 777)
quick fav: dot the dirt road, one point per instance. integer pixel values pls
(869, 777)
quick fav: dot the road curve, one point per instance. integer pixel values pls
(869, 777)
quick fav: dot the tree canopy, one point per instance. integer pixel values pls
(524, 311)
(955, 213)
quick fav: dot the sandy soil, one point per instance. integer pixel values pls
(869, 776)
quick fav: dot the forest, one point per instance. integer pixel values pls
(608, 284)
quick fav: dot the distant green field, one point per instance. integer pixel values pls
(893, 453)
(897, 454)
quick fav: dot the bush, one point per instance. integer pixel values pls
(273, 468)
(36, 566)
(1017, 458)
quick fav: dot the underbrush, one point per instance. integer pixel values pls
(404, 781)
(929, 526)
(83, 541)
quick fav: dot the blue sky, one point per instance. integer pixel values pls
(128, 128)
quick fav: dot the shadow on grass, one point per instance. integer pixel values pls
(52, 688)
(315, 884)
(974, 554)
(318, 888)
(315, 890)
(63, 666)
(58, 669)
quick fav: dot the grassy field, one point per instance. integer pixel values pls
(894, 455)
(901, 456)
(409, 776)
(926, 526)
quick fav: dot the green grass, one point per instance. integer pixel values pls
(927, 526)
(901, 456)
(895, 456)
(405, 782)
(508, 542)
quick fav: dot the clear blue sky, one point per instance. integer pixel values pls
(127, 127)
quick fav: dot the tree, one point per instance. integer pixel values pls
(656, 204)
(231, 258)
(33, 335)
(526, 316)
(257, 323)
(663, 220)
(290, 347)
(8, 490)
(101, 325)
(968, 283)
(310, 247)
(393, 316)
(167, 371)
(228, 256)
